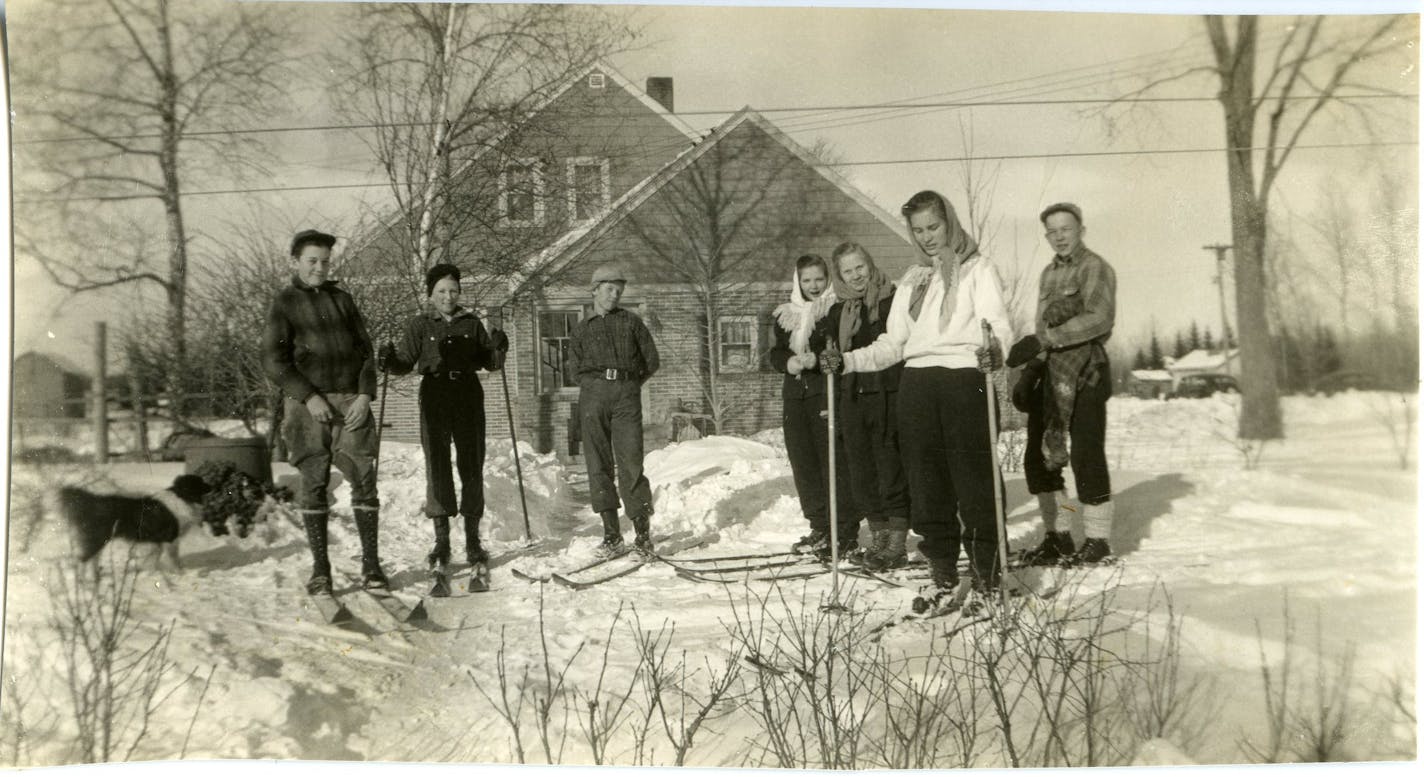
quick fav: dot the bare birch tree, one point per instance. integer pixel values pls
(440, 84)
(118, 105)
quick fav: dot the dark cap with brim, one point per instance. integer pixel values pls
(311, 237)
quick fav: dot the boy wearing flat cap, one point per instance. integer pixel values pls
(1064, 389)
(316, 349)
(612, 353)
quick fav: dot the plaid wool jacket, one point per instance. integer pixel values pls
(316, 341)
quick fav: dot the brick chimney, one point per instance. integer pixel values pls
(660, 89)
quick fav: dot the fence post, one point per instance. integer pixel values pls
(101, 394)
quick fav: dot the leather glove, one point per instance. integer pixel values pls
(385, 355)
(1024, 350)
(1026, 388)
(499, 339)
(1059, 311)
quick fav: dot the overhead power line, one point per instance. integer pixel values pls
(777, 109)
(863, 163)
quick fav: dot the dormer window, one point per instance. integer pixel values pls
(587, 181)
(521, 193)
(595, 80)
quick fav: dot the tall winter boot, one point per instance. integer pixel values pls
(440, 556)
(315, 522)
(368, 529)
(642, 534)
(891, 554)
(612, 536)
(474, 552)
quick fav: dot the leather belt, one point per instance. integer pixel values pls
(613, 373)
(450, 375)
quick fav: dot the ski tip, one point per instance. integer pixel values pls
(418, 613)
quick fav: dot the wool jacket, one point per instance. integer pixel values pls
(887, 379)
(429, 344)
(315, 341)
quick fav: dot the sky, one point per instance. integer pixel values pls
(1148, 214)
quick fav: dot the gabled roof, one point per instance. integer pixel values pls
(494, 142)
(575, 243)
(1202, 359)
(62, 362)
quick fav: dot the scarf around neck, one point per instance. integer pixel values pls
(877, 289)
(799, 315)
(958, 250)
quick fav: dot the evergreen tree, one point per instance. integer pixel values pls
(1180, 349)
(1194, 339)
(1154, 354)
(1230, 337)
(1140, 362)
(1208, 342)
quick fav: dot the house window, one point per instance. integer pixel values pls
(555, 328)
(588, 188)
(521, 193)
(595, 80)
(737, 344)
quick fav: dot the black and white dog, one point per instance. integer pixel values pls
(158, 520)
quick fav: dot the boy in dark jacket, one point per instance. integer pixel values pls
(447, 344)
(316, 349)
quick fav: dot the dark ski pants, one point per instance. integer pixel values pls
(453, 411)
(944, 437)
(1086, 444)
(314, 447)
(806, 430)
(872, 443)
(611, 420)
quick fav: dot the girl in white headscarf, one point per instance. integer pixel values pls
(803, 398)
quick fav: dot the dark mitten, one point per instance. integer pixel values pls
(385, 356)
(1028, 386)
(499, 339)
(1061, 310)
(1024, 350)
(831, 361)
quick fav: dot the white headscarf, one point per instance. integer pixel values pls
(799, 315)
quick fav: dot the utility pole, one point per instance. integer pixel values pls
(1221, 292)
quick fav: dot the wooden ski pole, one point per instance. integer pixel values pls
(380, 422)
(835, 604)
(999, 520)
(514, 441)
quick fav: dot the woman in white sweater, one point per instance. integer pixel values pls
(935, 327)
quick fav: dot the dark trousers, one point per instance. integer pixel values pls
(807, 434)
(453, 411)
(872, 443)
(944, 437)
(1086, 444)
(611, 421)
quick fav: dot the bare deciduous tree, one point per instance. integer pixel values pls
(1270, 96)
(744, 199)
(119, 105)
(441, 85)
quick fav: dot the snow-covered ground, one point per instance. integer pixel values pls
(1323, 527)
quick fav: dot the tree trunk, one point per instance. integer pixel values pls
(177, 286)
(1260, 398)
(437, 164)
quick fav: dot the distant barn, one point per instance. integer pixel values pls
(48, 386)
